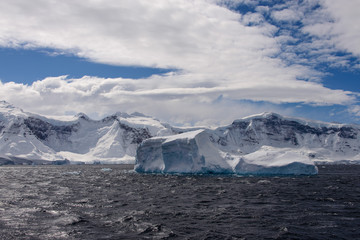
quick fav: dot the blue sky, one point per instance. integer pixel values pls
(187, 62)
(27, 66)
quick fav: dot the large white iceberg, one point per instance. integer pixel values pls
(197, 152)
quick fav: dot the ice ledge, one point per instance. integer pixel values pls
(195, 153)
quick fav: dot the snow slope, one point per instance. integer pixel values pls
(113, 139)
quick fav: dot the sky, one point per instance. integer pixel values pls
(186, 62)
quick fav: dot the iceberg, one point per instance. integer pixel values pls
(196, 152)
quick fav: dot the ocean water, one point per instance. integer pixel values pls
(113, 202)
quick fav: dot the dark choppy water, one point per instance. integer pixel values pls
(112, 202)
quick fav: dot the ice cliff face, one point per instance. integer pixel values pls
(261, 144)
(27, 138)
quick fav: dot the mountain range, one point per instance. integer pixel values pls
(27, 138)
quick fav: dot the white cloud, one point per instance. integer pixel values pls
(286, 15)
(149, 33)
(338, 21)
(347, 24)
(327, 28)
(181, 103)
(215, 50)
(354, 111)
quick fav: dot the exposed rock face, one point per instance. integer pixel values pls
(44, 130)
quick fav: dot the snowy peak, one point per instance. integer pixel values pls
(7, 109)
(271, 116)
(137, 114)
(132, 115)
(262, 115)
(82, 116)
(5, 104)
(272, 124)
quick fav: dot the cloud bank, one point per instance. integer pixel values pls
(219, 53)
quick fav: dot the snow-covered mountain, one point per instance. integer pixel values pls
(321, 141)
(29, 138)
(265, 143)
